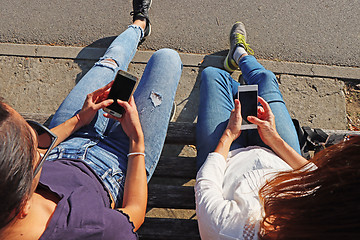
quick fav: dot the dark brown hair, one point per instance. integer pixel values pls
(17, 152)
(316, 203)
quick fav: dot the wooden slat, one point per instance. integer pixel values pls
(167, 196)
(181, 133)
(180, 167)
(165, 229)
(178, 132)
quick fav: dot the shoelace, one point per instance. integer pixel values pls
(141, 10)
(240, 39)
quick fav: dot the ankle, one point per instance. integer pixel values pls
(140, 23)
(245, 54)
(239, 53)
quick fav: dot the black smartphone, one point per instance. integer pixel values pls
(248, 97)
(123, 88)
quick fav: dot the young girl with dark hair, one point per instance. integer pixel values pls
(93, 184)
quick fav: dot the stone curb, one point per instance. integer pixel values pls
(188, 59)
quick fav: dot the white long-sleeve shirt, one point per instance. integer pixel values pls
(226, 192)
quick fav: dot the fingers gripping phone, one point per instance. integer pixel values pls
(123, 88)
(248, 97)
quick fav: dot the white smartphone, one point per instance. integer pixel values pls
(123, 88)
(248, 97)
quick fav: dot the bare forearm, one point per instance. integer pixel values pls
(135, 190)
(67, 128)
(224, 144)
(287, 153)
(231, 132)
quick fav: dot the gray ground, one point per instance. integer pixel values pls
(324, 32)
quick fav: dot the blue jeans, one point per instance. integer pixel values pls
(217, 91)
(102, 144)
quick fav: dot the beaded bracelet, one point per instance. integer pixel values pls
(135, 153)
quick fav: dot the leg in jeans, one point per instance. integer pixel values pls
(155, 101)
(84, 144)
(217, 89)
(102, 144)
(154, 98)
(254, 73)
(216, 102)
(121, 50)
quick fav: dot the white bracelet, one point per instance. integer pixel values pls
(135, 153)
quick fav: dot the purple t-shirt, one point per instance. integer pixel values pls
(83, 211)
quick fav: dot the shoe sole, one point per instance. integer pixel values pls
(149, 31)
(149, 21)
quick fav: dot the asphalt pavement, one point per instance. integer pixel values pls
(321, 32)
(312, 47)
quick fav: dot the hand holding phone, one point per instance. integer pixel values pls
(234, 124)
(123, 88)
(248, 97)
(130, 121)
(94, 101)
(266, 123)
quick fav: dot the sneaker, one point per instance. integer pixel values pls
(141, 12)
(237, 38)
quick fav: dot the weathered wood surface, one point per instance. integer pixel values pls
(166, 229)
(178, 132)
(181, 133)
(181, 167)
(168, 196)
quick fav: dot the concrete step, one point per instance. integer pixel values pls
(39, 77)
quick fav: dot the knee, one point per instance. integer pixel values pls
(212, 75)
(168, 55)
(266, 76)
(209, 73)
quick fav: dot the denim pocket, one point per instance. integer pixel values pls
(74, 148)
(107, 165)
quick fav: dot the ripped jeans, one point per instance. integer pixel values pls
(102, 144)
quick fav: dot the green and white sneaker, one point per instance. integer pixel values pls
(237, 38)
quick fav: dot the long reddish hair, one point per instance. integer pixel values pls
(316, 203)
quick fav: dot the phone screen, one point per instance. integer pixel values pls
(248, 99)
(121, 89)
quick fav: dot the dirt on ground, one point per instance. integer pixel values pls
(352, 95)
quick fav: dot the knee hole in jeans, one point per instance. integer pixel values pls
(108, 62)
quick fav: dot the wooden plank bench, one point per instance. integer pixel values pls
(163, 193)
